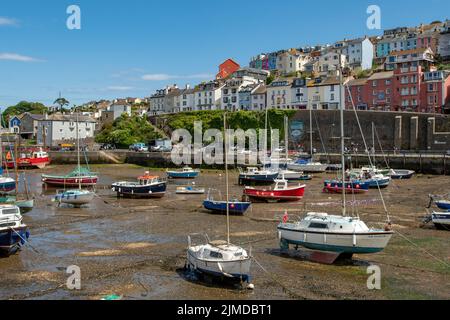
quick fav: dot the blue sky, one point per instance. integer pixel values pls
(131, 48)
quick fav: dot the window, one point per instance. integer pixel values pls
(374, 83)
(216, 255)
(316, 225)
(332, 97)
(332, 88)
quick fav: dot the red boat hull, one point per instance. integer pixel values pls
(70, 182)
(290, 194)
(28, 163)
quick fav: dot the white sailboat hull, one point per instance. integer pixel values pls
(370, 242)
(235, 269)
(76, 201)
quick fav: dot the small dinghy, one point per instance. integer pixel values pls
(441, 201)
(443, 204)
(281, 192)
(235, 207)
(13, 232)
(7, 184)
(147, 186)
(399, 174)
(185, 173)
(76, 197)
(190, 190)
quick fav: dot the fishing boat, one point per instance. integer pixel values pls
(147, 186)
(220, 259)
(351, 187)
(441, 220)
(36, 158)
(78, 176)
(190, 190)
(255, 175)
(13, 232)
(376, 170)
(185, 173)
(341, 234)
(401, 174)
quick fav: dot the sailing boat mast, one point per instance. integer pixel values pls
(226, 175)
(311, 133)
(341, 86)
(286, 137)
(78, 153)
(373, 143)
(265, 137)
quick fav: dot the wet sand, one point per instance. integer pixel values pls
(136, 248)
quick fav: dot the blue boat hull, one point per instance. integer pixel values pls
(7, 186)
(149, 191)
(354, 184)
(250, 178)
(11, 242)
(235, 208)
(182, 175)
(382, 183)
(443, 205)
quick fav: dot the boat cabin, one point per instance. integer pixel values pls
(10, 216)
(147, 179)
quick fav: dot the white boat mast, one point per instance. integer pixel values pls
(341, 86)
(311, 133)
(226, 175)
(286, 137)
(78, 153)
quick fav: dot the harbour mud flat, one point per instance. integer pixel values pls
(136, 248)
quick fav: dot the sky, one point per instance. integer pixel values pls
(131, 48)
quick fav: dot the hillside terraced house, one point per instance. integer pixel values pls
(230, 91)
(258, 98)
(359, 53)
(207, 96)
(279, 94)
(292, 61)
(299, 93)
(184, 101)
(61, 128)
(444, 42)
(324, 93)
(329, 62)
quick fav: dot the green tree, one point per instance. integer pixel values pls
(22, 107)
(62, 102)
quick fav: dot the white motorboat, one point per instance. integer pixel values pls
(190, 190)
(13, 232)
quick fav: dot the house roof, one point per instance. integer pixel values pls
(261, 89)
(381, 75)
(358, 82)
(32, 116)
(68, 117)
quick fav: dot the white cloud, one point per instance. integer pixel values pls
(17, 57)
(8, 21)
(119, 88)
(165, 77)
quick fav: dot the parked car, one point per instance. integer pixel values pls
(139, 147)
(107, 146)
